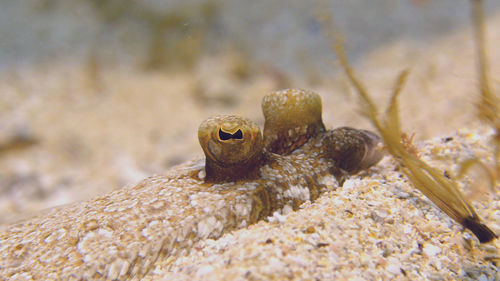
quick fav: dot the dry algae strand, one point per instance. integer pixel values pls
(430, 181)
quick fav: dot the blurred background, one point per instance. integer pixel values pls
(99, 94)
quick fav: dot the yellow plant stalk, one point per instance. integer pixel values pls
(487, 106)
(430, 181)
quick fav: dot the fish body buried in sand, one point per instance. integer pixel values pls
(245, 177)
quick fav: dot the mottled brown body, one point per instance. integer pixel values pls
(121, 235)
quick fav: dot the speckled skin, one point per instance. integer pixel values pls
(121, 235)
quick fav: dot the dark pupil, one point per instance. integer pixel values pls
(227, 136)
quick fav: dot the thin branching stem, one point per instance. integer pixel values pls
(488, 109)
(430, 181)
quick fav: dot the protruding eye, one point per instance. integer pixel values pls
(227, 136)
(232, 145)
(292, 117)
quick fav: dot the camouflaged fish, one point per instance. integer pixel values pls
(245, 177)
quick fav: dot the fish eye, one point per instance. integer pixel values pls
(233, 147)
(292, 117)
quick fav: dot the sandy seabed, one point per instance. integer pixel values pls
(374, 227)
(90, 134)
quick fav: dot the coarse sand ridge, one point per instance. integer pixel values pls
(375, 227)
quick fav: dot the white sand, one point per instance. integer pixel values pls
(100, 127)
(375, 227)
